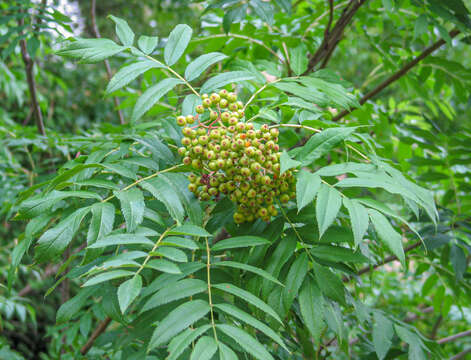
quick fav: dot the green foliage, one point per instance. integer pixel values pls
(109, 212)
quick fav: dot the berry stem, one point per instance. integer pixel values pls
(174, 73)
(144, 179)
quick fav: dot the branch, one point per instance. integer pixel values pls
(386, 260)
(28, 288)
(98, 331)
(461, 354)
(398, 74)
(29, 69)
(454, 337)
(107, 63)
(332, 38)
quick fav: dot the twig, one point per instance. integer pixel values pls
(210, 298)
(332, 38)
(29, 68)
(144, 179)
(415, 316)
(237, 36)
(436, 325)
(28, 288)
(398, 74)
(98, 331)
(331, 19)
(107, 63)
(454, 337)
(386, 260)
(461, 354)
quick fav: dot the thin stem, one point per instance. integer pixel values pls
(29, 69)
(156, 245)
(174, 73)
(296, 232)
(296, 126)
(208, 272)
(258, 92)
(144, 179)
(237, 36)
(317, 21)
(396, 76)
(107, 63)
(318, 131)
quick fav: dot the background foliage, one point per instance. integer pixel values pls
(105, 254)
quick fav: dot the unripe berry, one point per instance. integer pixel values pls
(194, 141)
(204, 96)
(251, 193)
(274, 132)
(213, 165)
(233, 107)
(214, 98)
(250, 151)
(241, 113)
(223, 93)
(192, 178)
(213, 191)
(244, 160)
(199, 109)
(186, 141)
(238, 218)
(190, 119)
(233, 120)
(255, 167)
(192, 187)
(284, 198)
(181, 151)
(232, 97)
(240, 105)
(210, 155)
(225, 116)
(201, 131)
(240, 126)
(262, 212)
(266, 180)
(206, 103)
(188, 132)
(198, 149)
(231, 129)
(223, 188)
(187, 160)
(203, 140)
(244, 186)
(214, 134)
(223, 103)
(245, 171)
(213, 115)
(220, 163)
(196, 164)
(181, 121)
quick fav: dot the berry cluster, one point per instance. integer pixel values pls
(231, 157)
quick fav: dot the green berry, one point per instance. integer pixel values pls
(223, 103)
(181, 121)
(200, 109)
(190, 119)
